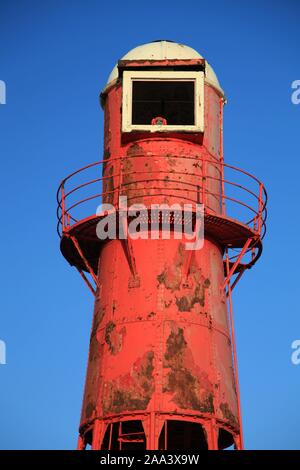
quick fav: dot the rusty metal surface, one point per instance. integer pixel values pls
(186, 63)
(162, 344)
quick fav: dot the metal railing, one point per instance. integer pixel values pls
(245, 202)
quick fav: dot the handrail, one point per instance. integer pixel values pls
(66, 190)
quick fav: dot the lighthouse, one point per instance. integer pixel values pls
(162, 365)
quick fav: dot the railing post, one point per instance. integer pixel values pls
(223, 208)
(260, 206)
(232, 335)
(63, 206)
(223, 187)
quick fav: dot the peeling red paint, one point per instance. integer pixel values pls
(133, 390)
(114, 337)
(190, 387)
(161, 342)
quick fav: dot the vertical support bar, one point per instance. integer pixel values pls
(80, 443)
(235, 365)
(120, 434)
(211, 435)
(110, 435)
(96, 435)
(166, 435)
(223, 208)
(151, 441)
(238, 442)
(214, 435)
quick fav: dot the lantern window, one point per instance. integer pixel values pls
(158, 101)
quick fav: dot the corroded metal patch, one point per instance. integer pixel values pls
(114, 337)
(171, 278)
(108, 186)
(189, 385)
(132, 391)
(228, 414)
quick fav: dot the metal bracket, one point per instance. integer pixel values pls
(128, 250)
(231, 272)
(87, 265)
(93, 291)
(186, 268)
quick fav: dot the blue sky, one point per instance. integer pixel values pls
(55, 57)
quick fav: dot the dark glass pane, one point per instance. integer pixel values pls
(171, 100)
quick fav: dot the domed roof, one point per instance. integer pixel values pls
(164, 49)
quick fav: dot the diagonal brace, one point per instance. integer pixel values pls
(235, 265)
(87, 265)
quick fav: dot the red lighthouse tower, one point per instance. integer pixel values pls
(162, 370)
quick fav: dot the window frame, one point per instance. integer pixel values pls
(129, 76)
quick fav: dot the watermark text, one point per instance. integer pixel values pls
(295, 97)
(295, 357)
(2, 92)
(2, 352)
(177, 221)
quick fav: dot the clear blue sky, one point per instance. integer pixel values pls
(55, 57)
